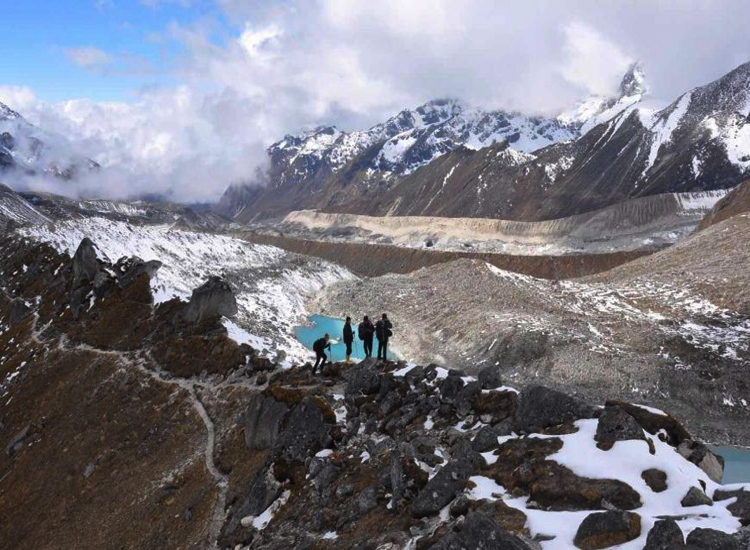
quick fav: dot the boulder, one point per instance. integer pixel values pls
(496, 406)
(306, 432)
(655, 479)
(362, 380)
(540, 407)
(741, 507)
(696, 497)
(262, 421)
(129, 269)
(466, 398)
(711, 539)
(489, 378)
(700, 455)
(655, 422)
(485, 440)
(442, 488)
(85, 263)
(664, 533)
(450, 387)
(616, 425)
(367, 500)
(213, 297)
(605, 529)
(480, 531)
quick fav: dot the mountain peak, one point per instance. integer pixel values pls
(7, 113)
(633, 81)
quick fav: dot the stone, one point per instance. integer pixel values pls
(480, 531)
(442, 488)
(616, 425)
(449, 388)
(605, 529)
(213, 297)
(696, 497)
(711, 539)
(262, 421)
(485, 440)
(85, 263)
(655, 479)
(128, 269)
(460, 506)
(655, 422)
(466, 398)
(664, 533)
(307, 431)
(741, 507)
(367, 500)
(489, 378)
(361, 380)
(540, 407)
(700, 455)
(19, 311)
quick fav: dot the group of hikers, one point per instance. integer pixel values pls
(366, 331)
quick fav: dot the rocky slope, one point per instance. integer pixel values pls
(143, 425)
(670, 328)
(735, 203)
(337, 166)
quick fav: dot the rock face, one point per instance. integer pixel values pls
(616, 425)
(442, 488)
(664, 533)
(128, 269)
(213, 297)
(85, 263)
(540, 407)
(605, 529)
(701, 456)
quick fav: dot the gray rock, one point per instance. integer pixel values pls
(18, 311)
(306, 432)
(264, 491)
(449, 388)
(362, 380)
(664, 533)
(711, 539)
(262, 421)
(655, 479)
(540, 407)
(442, 488)
(85, 263)
(128, 269)
(367, 500)
(616, 425)
(696, 497)
(489, 378)
(480, 532)
(741, 507)
(485, 440)
(605, 529)
(700, 455)
(215, 296)
(466, 398)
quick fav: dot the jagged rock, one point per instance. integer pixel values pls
(655, 479)
(264, 491)
(664, 533)
(262, 421)
(362, 380)
(701, 456)
(739, 509)
(460, 506)
(489, 378)
(442, 488)
(450, 387)
(540, 407)
(616, 425)
(605, 529)
(85, 263)
(466, 398)
(696, 497)
(711, 539)
(215, 296)
(485, 440)
(306, 432)
(19, 310)
(128, 269)
(654, 423)
(480, 531)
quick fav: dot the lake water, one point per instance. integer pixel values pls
(319, 325)
(736, 464)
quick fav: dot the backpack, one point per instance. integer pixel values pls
(319, 345)
(361, 331)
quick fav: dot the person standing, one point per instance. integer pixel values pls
(366, 331)
(348, 338)
(319, 348)
(383, 331)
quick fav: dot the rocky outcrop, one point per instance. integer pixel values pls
(616, 425)
(605, 529)
(480, 531)
(214, 297)
(540, 407)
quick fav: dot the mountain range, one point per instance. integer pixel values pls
(446, 159)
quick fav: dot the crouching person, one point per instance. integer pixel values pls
(319, 348)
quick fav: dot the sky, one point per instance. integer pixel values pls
(181, 97)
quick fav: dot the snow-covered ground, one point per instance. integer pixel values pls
(271, 284)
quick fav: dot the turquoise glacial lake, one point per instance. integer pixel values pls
(736, 464)
(319, 325)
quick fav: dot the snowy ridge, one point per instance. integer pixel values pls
(270, 284)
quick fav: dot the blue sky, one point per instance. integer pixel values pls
(38, 36)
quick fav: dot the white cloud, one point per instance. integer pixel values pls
(18, 98)
(88, 57)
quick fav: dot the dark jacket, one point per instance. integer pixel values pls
(383, 329)
(321, 344)
(366, 330)
(348, 333)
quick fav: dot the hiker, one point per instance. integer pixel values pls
(319, 348)
(366, 331)
(383, 332)
(348, 338)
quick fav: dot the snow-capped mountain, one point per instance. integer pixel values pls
(31, 150)
(302, 164)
